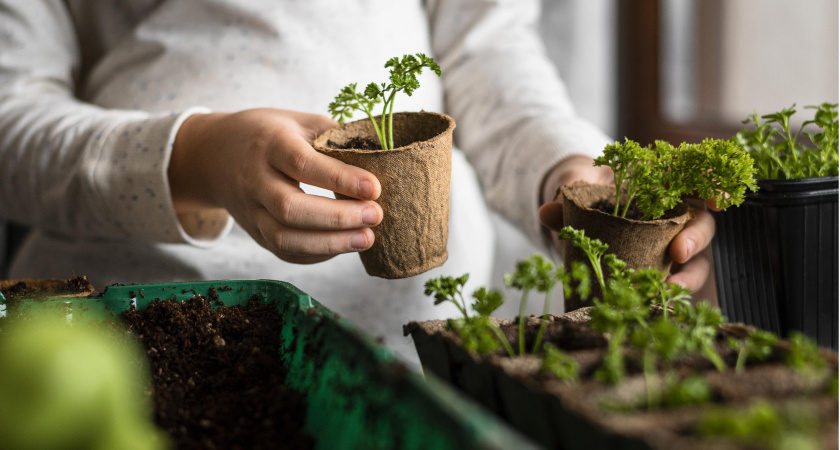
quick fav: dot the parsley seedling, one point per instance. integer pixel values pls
(403, 78)
(559, 364)
(758, 345)
(478, 333)
(778, 150)
(657, 178)
(534, 272)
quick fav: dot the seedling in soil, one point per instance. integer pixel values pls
(804, 355)
(656, 179)
(478, 333)
(403, 78)
(763, 425)
(757, 346)
(559, 364)
(534, 272)
(778, 151)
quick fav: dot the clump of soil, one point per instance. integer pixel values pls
(358, 143)
(217, 381)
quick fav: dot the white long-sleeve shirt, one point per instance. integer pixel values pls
(92, 95)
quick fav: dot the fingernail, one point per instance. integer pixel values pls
(370, 216)
(365, 189)
(689, 245)
(358, 241)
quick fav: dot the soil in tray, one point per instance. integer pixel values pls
(216, 379)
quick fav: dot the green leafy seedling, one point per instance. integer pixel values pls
(779, 152)
(657, 178)
(532, 273)
(403, 78)
(757, 346)
(559, 364)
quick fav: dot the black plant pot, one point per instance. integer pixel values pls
(776, 258)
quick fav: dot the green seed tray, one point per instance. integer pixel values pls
(359, 394)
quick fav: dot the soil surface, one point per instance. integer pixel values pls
(608, 207)
(216, 379)
(358, 143)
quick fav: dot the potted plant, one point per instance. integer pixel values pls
(411, 155)
(641, 368)
(644, 210)
(776, 256)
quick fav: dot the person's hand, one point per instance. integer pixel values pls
(251, 163)
(689, 249)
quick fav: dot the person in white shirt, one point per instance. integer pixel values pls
(161, 141)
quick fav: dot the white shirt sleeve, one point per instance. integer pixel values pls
(69, 167)
(515, 120)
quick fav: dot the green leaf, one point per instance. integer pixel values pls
(559, 364)
(486, 301)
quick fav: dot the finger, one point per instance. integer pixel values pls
(295, 209)
(551, 215)
(693, 274)
(316, 124)
(299, 161)
(694, 237)
(293, 242)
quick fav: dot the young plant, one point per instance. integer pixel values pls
(778, 151)
(403, 78)
(762, 425)
(593, 248)
(804, 354)
(478, 333)
(559, 364)
(534, 272)
(657, 178)
(757, 346)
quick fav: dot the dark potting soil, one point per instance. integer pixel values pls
(216, 379)
(357, 142)
(609, 207)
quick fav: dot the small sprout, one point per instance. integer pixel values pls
(804, 355)
(403, 78)
(476, 334)
(779, 153)
(534, 272)
(559, 364)
(763, 425)
(757, 346)
(690, 391)
(445, 288)
(593, 248)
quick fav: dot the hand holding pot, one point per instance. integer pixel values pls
(251, 164)
(689, 249)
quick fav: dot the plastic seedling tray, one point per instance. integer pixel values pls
(359, 395)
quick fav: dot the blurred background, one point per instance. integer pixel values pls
(682, 70)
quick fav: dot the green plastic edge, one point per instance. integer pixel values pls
(360, 395)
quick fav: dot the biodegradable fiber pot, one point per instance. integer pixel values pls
(415, 178)
(776, 259)
(641, 244)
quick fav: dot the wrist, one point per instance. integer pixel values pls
(189, 167)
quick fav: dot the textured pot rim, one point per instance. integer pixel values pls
(449, 130)
(680, 218)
